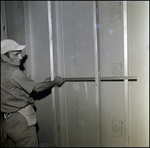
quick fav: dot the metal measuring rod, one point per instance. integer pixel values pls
(82, 79)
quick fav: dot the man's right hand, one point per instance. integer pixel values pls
(59, 81)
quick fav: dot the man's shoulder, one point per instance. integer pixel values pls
(6, 70)
(18, 73)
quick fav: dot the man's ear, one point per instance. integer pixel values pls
(4, 57)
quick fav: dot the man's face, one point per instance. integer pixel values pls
(14, 58)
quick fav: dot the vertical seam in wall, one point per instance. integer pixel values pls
(52, 70)
(97, 77)
(126, 96)
(63, 40)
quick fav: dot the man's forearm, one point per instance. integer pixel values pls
(42, 86)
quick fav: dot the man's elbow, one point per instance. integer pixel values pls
(37, 88)
(39, 91)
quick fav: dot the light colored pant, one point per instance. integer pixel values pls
(17, 130)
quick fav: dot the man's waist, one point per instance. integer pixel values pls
(8, 114)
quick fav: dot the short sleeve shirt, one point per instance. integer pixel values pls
(15, 88)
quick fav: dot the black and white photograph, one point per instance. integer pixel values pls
(74, 73)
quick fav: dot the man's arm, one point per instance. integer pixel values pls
(48, 85)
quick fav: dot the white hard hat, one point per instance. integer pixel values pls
(10, 45)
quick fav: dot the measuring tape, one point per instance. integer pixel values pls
(81, 79)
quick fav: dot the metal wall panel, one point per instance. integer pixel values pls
(111, 38)
(79, 62)
(112, 63)
(138, 41)
(76, 56)
(124, 122)
(78, 39)
(81, 114)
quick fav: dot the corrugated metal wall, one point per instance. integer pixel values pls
(75, 123)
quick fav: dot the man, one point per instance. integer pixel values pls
(16, 91)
